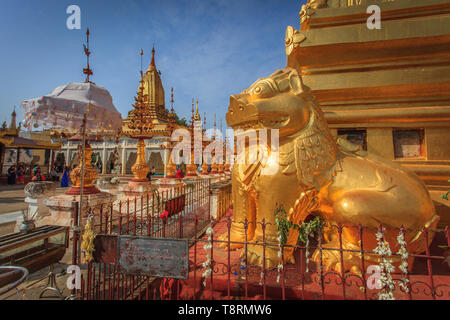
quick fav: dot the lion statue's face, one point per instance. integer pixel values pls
(276, 102)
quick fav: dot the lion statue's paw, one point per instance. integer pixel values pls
(256, 254)
(331, 259)
(233, 238)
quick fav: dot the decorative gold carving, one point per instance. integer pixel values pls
(205, 168)
(191, 167)
(140, 167)
(307, 9)
(317, 175)
(171, 168)
(293, 39)
(90, 174)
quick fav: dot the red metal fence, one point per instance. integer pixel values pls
(230, 276)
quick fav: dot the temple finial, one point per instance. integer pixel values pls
(141, 53)
(87, 71)
(152, 63)
(171, 100)
(197, 115)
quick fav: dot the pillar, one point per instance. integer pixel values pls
(104, 160)
(124, 160)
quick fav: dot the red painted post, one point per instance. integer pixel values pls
(212, 260)
(111, 218)
(104, 281)
(195, 254)
(101, 218)
(283, 285)
(89, 267)
(128, 216)
(363, 266)
(82, 288)
(229, 257)
(322, 285)
(142, 215)
(430, 270)
(120, 217)
(341, 253)
(402, 230)
(148, 220)
(263, 226)
(75, 245)
(246, 261)
(302, 272)
(135, 215)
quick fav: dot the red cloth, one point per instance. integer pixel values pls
(179, 174)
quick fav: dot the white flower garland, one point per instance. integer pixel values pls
(280, 255)
(207, 263)
(385, 281)
(404, 257)
(307, 249)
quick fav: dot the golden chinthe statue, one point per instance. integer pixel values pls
(318, 174)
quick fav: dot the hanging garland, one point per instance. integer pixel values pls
(88, 240)
(385, 281)
(208, 263)
(404, 257)
(305, 230)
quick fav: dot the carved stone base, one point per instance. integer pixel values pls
(73, 191)
(135, 189)
(63, 207)
(168, 183)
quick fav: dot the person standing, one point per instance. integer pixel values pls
(65, 178)
(20, 175)
(12, 175)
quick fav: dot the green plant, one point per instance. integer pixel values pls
(445, 196)
(304, 229)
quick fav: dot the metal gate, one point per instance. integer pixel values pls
(177, 213)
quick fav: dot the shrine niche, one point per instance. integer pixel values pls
(113, 160)
(96, 161)
(131, 159)
(155, 160)
(408, 143)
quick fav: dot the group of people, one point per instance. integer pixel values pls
(16, 175)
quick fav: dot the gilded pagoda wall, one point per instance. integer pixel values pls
(391, 86)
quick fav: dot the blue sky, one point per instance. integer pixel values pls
(207, 49)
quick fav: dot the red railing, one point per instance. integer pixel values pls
(233, 277)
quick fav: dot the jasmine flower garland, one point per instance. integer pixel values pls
(207, 264)
(385, 281)
(404, 257)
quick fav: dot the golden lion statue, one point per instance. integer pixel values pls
(320, 174)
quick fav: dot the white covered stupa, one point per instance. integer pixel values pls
(66, 106)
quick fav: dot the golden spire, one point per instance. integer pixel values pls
(152, 63)
(87, 71)
(197, 115)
